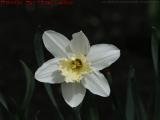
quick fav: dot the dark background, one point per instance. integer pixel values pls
(124, 24)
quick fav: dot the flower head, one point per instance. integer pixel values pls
(76, 65)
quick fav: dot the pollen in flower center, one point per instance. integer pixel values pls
(74, 67)
(76, 64)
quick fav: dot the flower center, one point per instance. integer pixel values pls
(76, 64)
(74, 68)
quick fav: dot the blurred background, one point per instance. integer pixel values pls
(126, 24)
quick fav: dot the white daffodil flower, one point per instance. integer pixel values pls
(76, 65)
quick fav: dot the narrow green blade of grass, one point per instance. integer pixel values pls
(50, 94)
(39, 48)
(40, 60)
(117, 106)
(29, 86)
(130, 106)
(77, 112)
(155, 56)
(90, 108)
(3, 102)
(143, 113)
(155, 49)
(140, 111)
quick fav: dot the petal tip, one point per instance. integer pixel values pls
(118, 53)
(36, 75)
(47, 32)
(73, 105)
(81, 32)
(107, 93)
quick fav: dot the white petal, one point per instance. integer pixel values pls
(80, 43)
(73, 93)
(55, 43)
(97, 84)
(48, 72)
(103, 55)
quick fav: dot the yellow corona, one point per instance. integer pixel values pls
(74, 67)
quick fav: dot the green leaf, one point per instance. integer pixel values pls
(39, 48)
(90, 108)
(155, 56)
(137, 105)
(29, 86)
(40, 60)
(143, 111)
(93, 114)
(77, 112)
(130, 106)
(50, 94)
(117, 106)
(155, 49)
(3, 102)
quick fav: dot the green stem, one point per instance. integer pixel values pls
(77, 113)
(48, 89)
